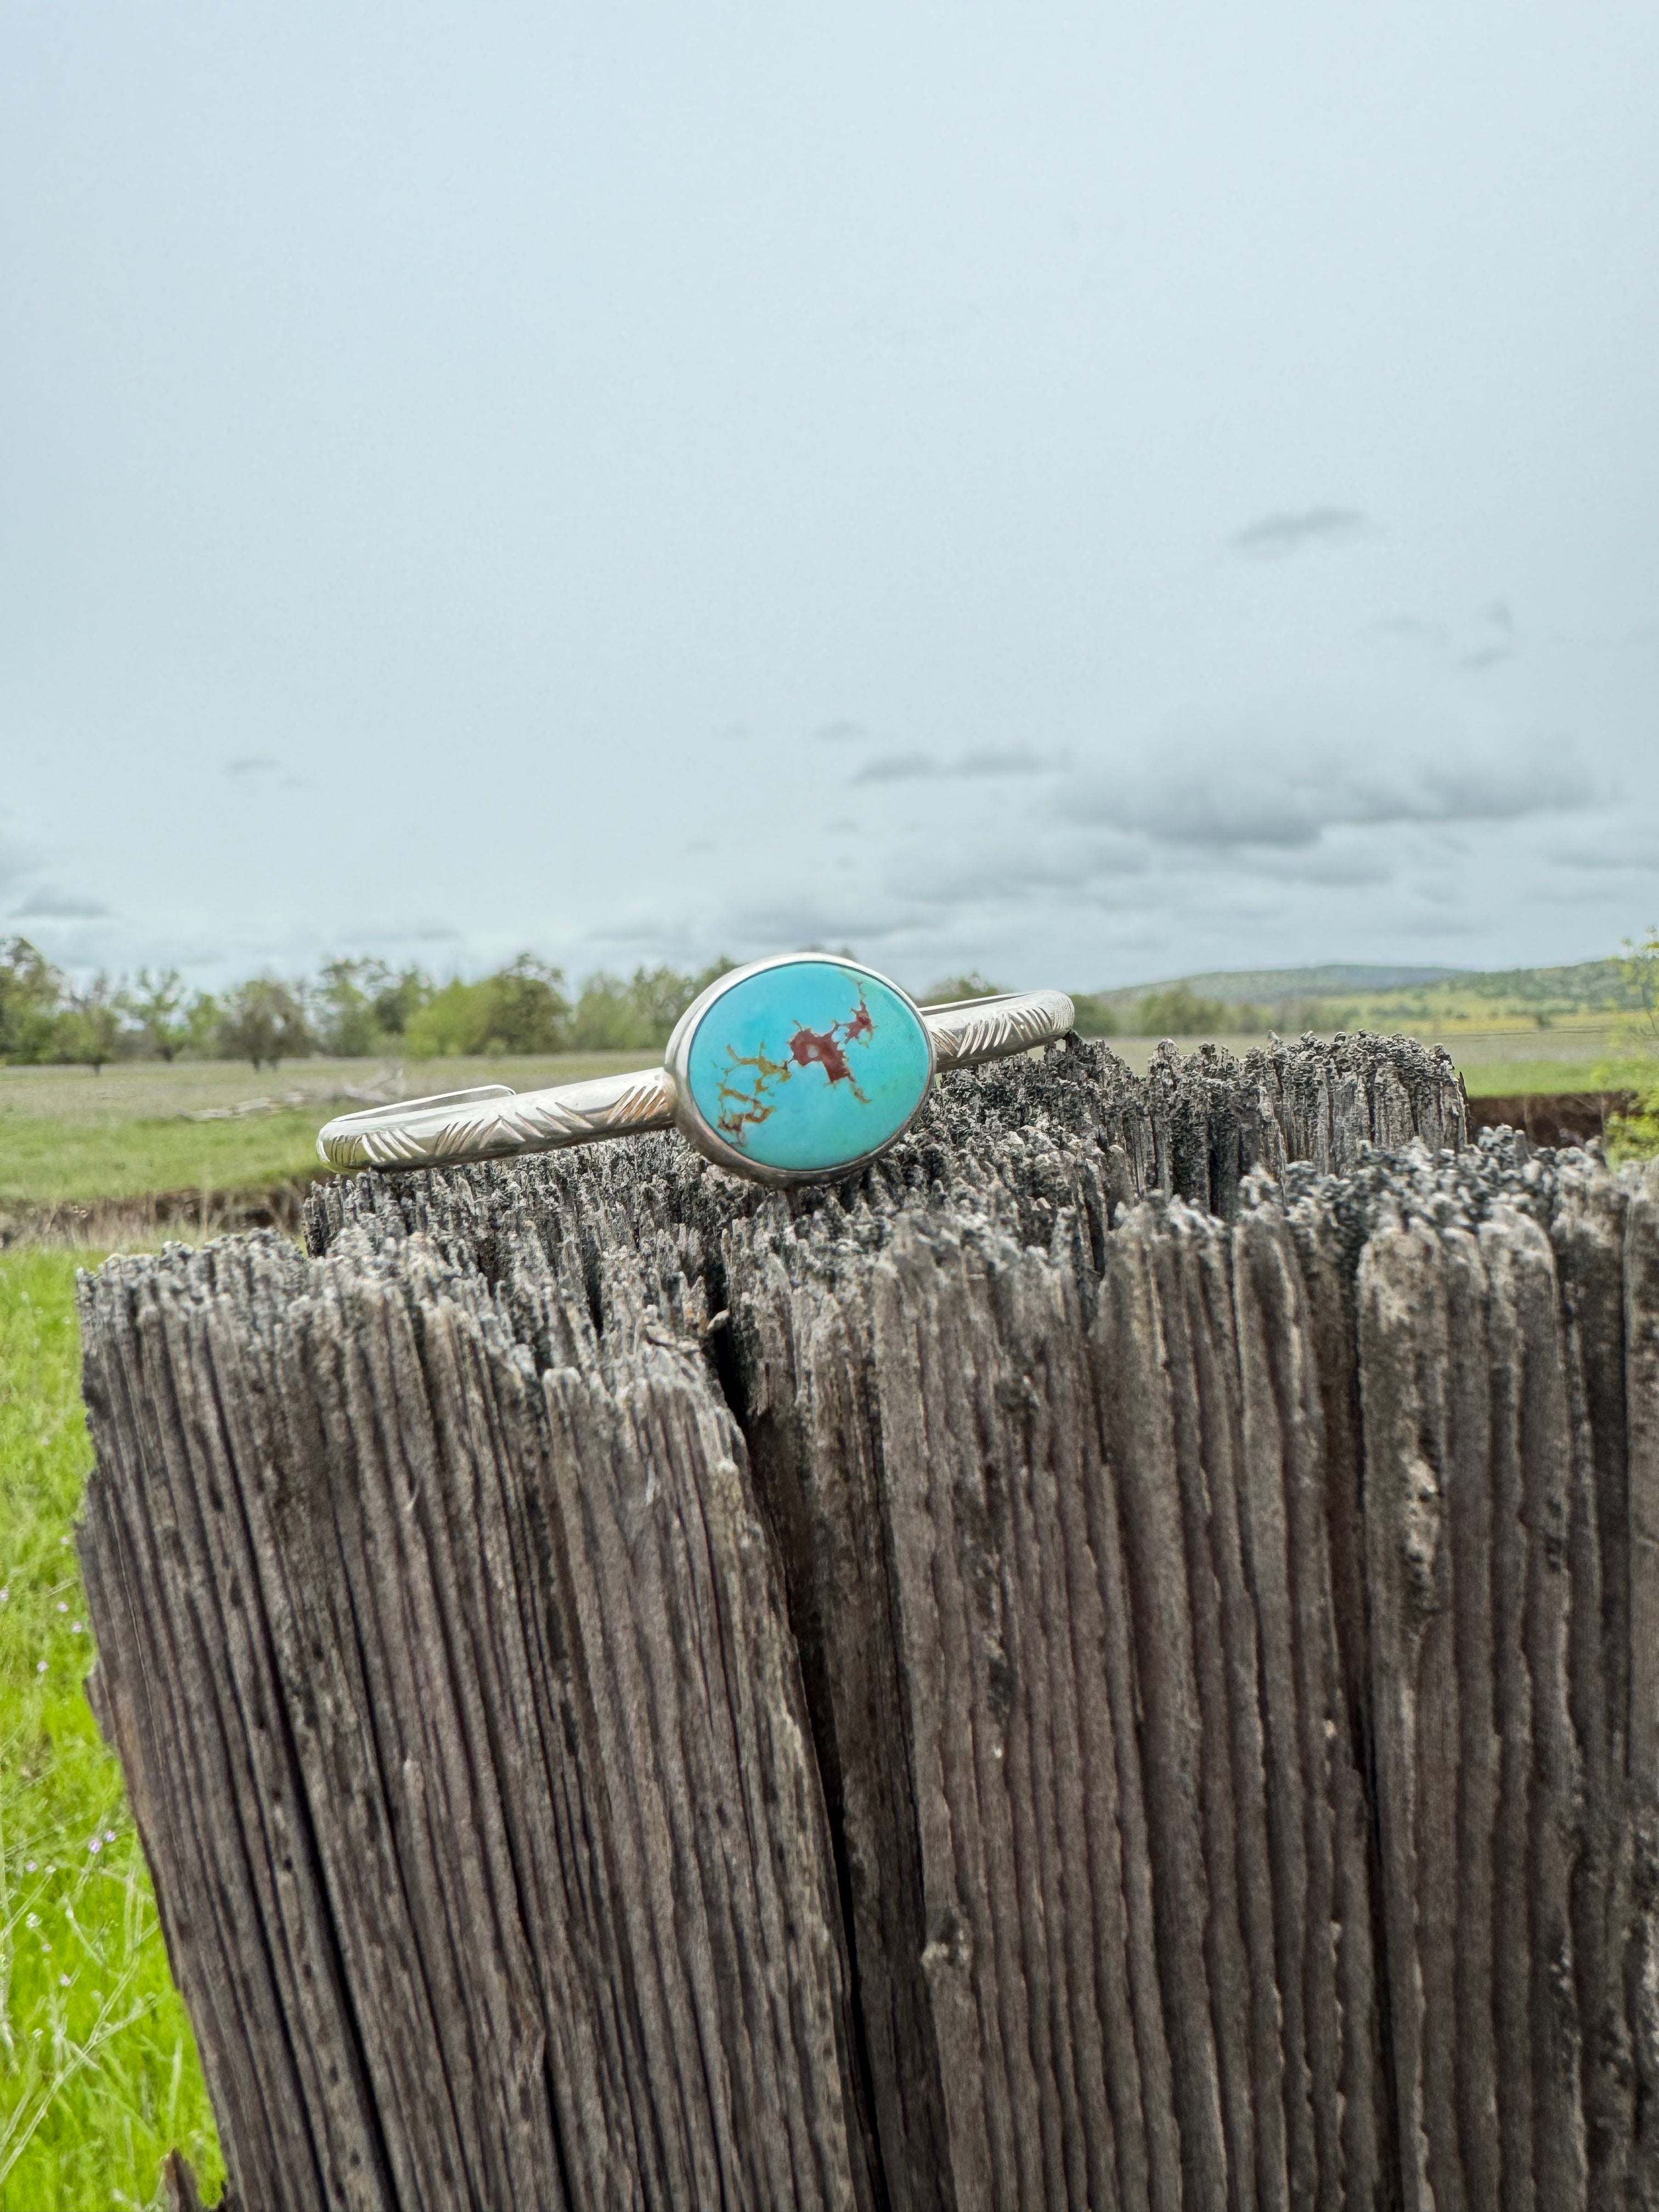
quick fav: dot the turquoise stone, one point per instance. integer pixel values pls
(808, 1065)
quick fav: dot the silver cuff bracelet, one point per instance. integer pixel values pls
(793, 1070)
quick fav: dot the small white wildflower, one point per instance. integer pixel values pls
(109, 1835)
(40, 1667)
(33, 1920)
(63, 1605)
(29, 1865)
(62, 1540)
(5, 1594)
(75, 1628)
(63, 1981)
(94, 1844)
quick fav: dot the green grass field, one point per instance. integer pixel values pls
(67, 1136)
(1587, 996)
(99, 2075)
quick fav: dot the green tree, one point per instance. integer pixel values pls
(950, 987)
(264, 1021)
(1179, 1012)
(363, 1006)
(203, 1017)
(638, 1014)
(155, 1006)
(1635, 1065)
(521, 1008)
(344, 999)
(1640, 969)
(1094, 1018)
(453, 1023)
(528, 1010)
(605, 1020)
(973, 985)
(31, 995)
(661, 995)
(398, 998)
(88, 1031)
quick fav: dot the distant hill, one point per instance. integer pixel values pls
(1238, 987)
(1356, 996)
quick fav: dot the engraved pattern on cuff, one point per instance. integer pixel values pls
(990, 1029)
(522, 1122)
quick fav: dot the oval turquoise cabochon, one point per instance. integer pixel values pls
(807, 1066)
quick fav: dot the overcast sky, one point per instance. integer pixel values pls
(1084, 491)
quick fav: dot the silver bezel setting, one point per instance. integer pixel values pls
(708, 1141)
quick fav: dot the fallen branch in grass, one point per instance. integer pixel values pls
(384, 1088)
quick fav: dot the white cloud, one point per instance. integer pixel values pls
(1222, 793)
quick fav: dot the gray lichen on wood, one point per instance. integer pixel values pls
(1109, 1662)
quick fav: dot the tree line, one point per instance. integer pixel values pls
(354, 1009)
(1178, 1011)
(357, 1008)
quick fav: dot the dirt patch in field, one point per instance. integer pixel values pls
(105, 1225)
(1552, 1117)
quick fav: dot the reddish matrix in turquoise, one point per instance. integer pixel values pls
(745, 1102)
(808, 1065)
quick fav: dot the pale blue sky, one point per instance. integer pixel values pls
(1087, 492)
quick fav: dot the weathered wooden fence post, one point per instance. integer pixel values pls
(1114, 1662)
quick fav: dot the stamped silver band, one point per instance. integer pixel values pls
(494, 1120)
(966, 1031)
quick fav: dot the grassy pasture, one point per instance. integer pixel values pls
(1589, 995)
(67, 1136)
(99, 2075)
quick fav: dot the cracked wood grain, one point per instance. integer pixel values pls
(1108, 1662)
